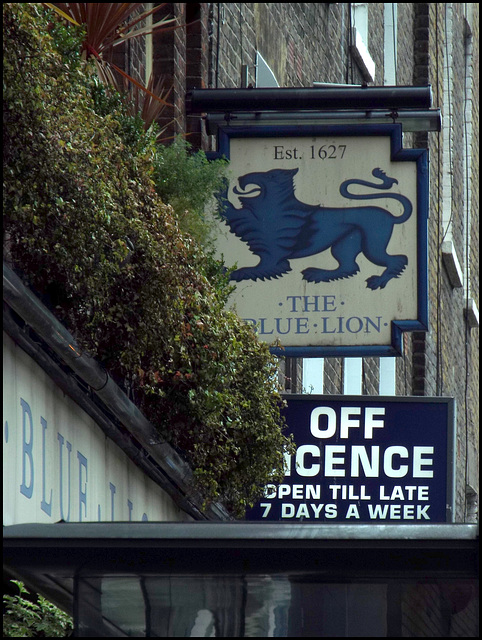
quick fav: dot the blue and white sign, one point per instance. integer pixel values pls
(57, 462)
(365, 459)
(327, 226)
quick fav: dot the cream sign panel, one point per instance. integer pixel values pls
(328, 235)
(58, 464)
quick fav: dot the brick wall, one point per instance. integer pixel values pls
(169, 62)
(445, 360)
(130, 56)
(472, 393)
(197, 64)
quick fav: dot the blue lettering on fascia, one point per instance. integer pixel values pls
(44, 505)
(65, 472)
(60, 438)
(82, 492)
(27, 448)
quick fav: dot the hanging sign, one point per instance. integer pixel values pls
(365, 459)
(327, 227)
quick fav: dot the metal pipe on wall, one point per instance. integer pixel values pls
(293, 99)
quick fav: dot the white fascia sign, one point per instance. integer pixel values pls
(58, 464)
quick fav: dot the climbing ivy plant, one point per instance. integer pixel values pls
(92, 223)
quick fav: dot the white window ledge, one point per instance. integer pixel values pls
(472, 313)
(362, 57)
(452, 264)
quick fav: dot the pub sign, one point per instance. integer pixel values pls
(327, 229)
(365, 459)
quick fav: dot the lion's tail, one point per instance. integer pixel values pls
(386, 183)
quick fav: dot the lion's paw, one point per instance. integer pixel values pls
(246, 273)
(376, 282)
(258, 273)
(311, 274)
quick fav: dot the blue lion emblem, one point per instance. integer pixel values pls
(277, 227)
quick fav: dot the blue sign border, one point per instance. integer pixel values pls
(308, 401)
(398, 154)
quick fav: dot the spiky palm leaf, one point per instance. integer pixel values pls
(107, 24)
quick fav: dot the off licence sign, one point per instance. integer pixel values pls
(381, 459)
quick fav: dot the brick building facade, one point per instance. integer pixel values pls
(298, 579)
(232, 45)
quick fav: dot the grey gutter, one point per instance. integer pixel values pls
(237, 534)
(178, 480)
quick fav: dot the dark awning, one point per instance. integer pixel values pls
(122, 578)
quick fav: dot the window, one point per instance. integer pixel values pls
(313, 369)
(352, 376)
(359, 40)
(449, 253)
(387, 385)
(390, 16)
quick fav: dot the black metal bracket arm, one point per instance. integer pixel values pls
(308, 99)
